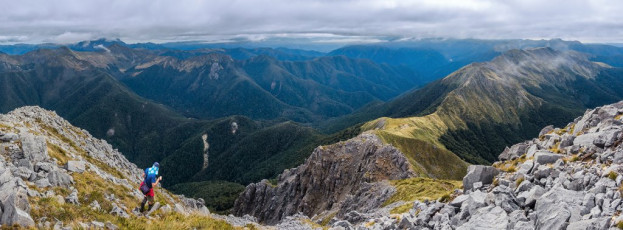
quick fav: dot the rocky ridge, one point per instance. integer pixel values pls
(346, 176)
(54, 175)
(567, 178)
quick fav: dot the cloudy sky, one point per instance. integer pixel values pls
(66, 21)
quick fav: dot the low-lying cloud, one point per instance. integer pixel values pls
(65, 21)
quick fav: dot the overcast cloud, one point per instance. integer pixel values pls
(65, 21)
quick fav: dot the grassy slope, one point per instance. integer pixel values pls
(92, 187)
(422, 188)
(418, 139)
(477, 111)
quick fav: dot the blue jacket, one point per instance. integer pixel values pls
(150, 176)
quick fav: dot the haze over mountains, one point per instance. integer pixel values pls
(263, 110)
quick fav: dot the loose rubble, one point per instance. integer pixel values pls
(568, 178)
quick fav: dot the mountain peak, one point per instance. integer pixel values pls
(98, 44)
(529, 66)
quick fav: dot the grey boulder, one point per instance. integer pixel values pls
(58, 178)
(15, 211)
(479, 173)
(607, 138)
(6, 137)
(546, 130)
(75, 166)
(557, 207)
(590, 224)
(35, 148)
(514, 152)
(545, 157)
(487, 218)
(117, 211)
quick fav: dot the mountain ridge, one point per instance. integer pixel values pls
(506, 100)
(566, 178)
(56, 174)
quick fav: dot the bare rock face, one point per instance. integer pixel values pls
(331, 175)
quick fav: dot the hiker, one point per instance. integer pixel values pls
(147, 186)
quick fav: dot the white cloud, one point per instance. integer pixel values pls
(70, 37)
(102, 47)
(165, 20)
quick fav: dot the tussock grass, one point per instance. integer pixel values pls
(52, 131)
(402, 208)
(571, 128)
(93, 188)
(104, 167)
(511, 165)
(308, 222)
(426, 159)
(418, 139)
(519, 181)
(496, 182)
(326, 219)
(613, 175)
(58, 153)
(4, 127)
(556, 149)
(412, 189)
(176, 221)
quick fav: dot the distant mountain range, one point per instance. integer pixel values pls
(83, 87)
(473, 113)
(478, 110)
(215, 85)
(245, 114)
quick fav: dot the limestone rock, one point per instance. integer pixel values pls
(75, 166)
(591, 224)
(478, 173)
(179, 209)
(73, 198)
(326, 179)
(34, 148)
(15, 211)
(58, 178)
(514, 152)
(111, 226)
(7, 137)
(116, 210)
(546, 130)
(544, 158)
(487, 218)
(97, 224)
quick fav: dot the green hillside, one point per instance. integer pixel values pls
(483, 107)
(212, 85)
(145, 131)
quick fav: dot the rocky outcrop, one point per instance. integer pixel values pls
(332, 177)
(550, 186)
(41, 155)
(514, 152)
(479, 175)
